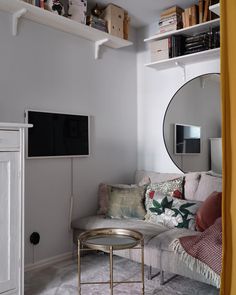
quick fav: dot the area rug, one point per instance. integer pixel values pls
(62, 279)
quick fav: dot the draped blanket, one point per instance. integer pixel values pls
(204, 251)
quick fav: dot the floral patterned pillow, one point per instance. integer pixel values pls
(171, 212)
(170, 188)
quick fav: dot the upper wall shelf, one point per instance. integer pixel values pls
(22, 9)
(186, 31)
(215, 8)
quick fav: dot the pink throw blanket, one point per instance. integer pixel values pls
(204, 251)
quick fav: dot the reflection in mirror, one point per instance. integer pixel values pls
(192, 125)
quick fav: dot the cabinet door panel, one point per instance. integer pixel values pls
(9, 221)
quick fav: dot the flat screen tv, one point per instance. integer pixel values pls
(57, 134)
(187, 139)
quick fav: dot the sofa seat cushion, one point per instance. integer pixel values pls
(100, 221)
(163, 240)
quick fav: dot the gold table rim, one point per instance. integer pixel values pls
(136, 235)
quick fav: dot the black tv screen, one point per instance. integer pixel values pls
(187, 139)
(57, 135)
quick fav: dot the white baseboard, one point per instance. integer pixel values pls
(47, 262)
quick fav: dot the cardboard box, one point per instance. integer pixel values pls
(114, 16)
(78, 10)
(159, 50)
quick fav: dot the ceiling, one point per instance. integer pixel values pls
(144, 12)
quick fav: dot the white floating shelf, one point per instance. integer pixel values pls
(186, 31)
(215, 8)
(22, 9)
(186, 59)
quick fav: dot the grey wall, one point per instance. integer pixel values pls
(196, 103)
(46, 69)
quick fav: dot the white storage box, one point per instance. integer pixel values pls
(78, 10)
(159, 50)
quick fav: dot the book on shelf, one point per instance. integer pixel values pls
(190, 16)
(169, 28)
(171, 10)
(206, 10)
(200, 10)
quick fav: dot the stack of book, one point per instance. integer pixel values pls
(96, 23)
(197, 43)
(171, 19)
(176, 45)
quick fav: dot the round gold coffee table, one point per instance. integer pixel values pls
(109, 240)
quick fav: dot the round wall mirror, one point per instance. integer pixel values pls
(192, 125)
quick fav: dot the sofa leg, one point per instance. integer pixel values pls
(150, 275)
(162, 279)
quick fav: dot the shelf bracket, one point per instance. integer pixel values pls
(15, 18)
(178, 64)
(98, 44)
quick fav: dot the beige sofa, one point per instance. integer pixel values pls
(158, 254)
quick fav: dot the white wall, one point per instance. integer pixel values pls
(46, 69)
(155, 90)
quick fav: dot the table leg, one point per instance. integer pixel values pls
(79, 270)
(111, 269)
(142, 265)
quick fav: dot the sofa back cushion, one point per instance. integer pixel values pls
(209, 211)
(207, 185)
(126, 202)
(190, 185)
(155, 177)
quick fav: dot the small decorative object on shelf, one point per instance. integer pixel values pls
(60, 6)
(171, 19)
(96, 11)
(78, 10)
(96, 23)
(114, 16)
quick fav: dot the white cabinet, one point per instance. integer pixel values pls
(9, 220)
(11, 208)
